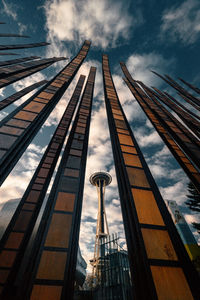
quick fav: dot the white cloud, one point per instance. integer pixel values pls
(3, 114)
(2, 90)
(176, 192)
(22, 27)
(104, 22)
(140, 65)
(164, 152)
(192, 218)
(182, 23)
(149, 140)
(19, 177)
(9, 9)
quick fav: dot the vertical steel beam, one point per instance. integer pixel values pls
(19, 128)
(179, 130)
(186, 117)
(194, 88)
(155, 116)
(53, 260)
(181, 105)
(14, 242)
(156, 253)
(179, 88)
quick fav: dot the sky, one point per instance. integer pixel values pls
(159, 35)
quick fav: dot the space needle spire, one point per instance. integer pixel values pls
(100, 180)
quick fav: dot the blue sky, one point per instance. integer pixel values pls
(159, 35)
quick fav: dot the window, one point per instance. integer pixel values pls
(128, 149)
(7, 258)
(71, 172)
(23, 220)
(18, 123)
(73, 162)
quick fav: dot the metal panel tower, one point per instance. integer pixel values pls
(100, 180)
(156, 253)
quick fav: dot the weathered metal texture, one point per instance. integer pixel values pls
(19, 128)
(52, 263)
(20, 228)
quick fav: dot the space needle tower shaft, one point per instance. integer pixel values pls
(100, 180)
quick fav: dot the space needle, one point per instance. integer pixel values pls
(100, 180)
